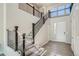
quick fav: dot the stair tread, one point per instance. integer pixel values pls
(34, 51)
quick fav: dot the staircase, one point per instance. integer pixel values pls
(25, 45)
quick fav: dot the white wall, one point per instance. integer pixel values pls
(1, 27)
(45, 9)
(17, 17)
(66, 19)
(75, 29)
(42, 36)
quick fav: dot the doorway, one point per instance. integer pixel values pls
(60, 31)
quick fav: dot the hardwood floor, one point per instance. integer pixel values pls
(58, 49)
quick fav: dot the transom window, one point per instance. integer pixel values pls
(60, 11)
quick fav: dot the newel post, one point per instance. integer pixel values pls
(33, 10)
(23, 43)
(16, 38)
(33, 32)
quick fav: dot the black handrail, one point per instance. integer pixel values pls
(29, 5)
(37, 10)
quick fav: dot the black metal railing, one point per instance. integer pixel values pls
(30, 9)
(12, 37)
(16, 42)
(37, 26)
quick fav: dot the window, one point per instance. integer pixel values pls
(61, 7)
(60, 11)
(68, 11)
(68, 5)
(68, 8)
(54, 13)
(54, 9)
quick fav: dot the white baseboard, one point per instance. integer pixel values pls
(61, 41)
(44, 43)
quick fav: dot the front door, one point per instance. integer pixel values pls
(60, 31)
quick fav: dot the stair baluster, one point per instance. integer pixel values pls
(23, 43)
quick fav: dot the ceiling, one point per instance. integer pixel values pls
(39, 5)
